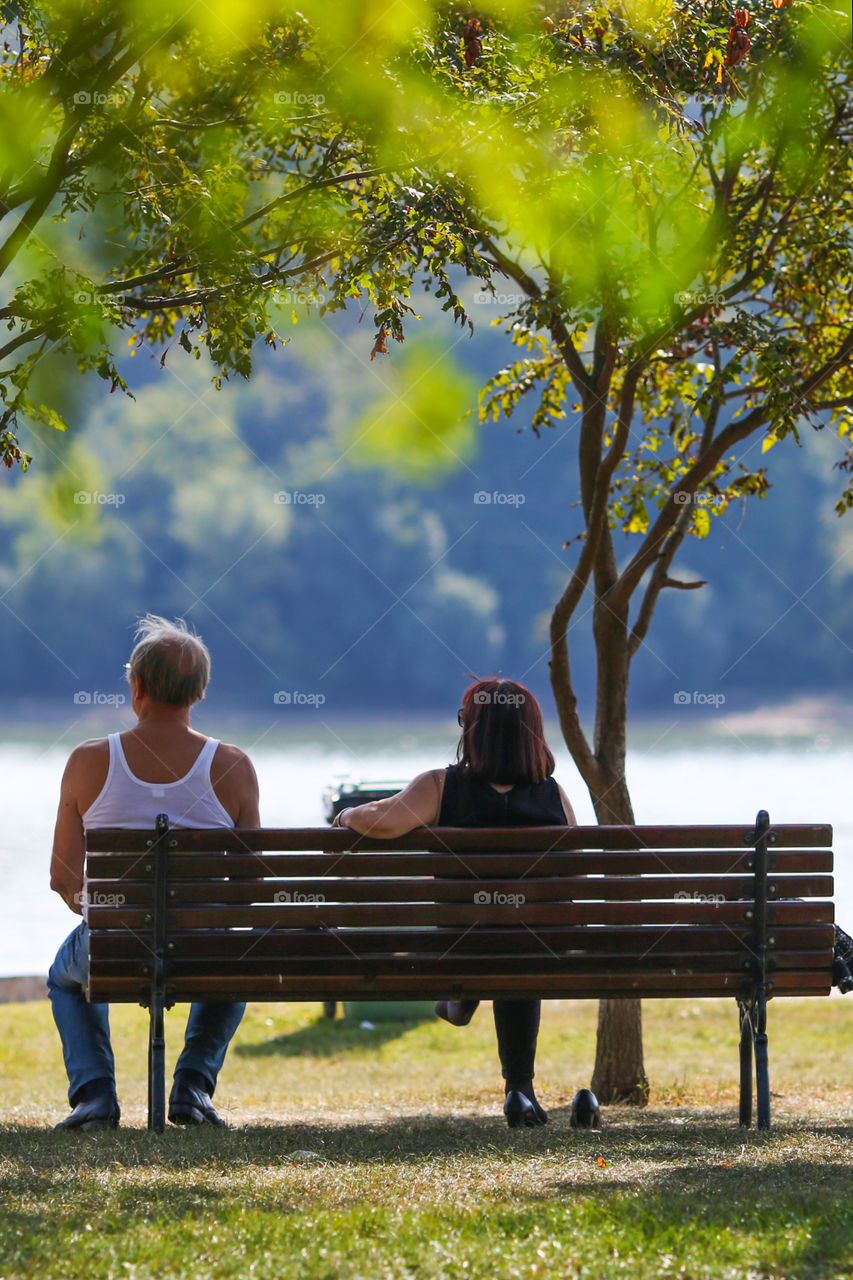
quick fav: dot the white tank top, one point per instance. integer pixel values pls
(127, 801)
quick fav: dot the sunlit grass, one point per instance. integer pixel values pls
(383, 1153)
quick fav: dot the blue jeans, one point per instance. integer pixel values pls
(84, 1028)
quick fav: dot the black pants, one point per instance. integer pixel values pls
(517, 1027)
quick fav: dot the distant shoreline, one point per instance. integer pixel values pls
(719, 714)
(17, 990)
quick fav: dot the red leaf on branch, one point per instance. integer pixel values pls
(473, 44)
(380, 346)
(737, 47)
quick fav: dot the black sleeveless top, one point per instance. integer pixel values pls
(469, 801)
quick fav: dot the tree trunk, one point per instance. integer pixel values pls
(619, 1074)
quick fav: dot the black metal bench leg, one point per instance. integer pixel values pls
(746, 1038)
(762, 1071)
(156, 1067)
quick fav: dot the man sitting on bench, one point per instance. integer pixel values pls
(161, 765)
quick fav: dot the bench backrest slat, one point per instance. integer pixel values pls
(116, 944)
(533, 888)
(725, 861)
(442, 839)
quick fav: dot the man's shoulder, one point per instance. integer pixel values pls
(228, 754)
(230, 762)
(91, 752)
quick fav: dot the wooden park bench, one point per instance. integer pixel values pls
(555, 912)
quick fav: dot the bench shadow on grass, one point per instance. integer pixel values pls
(327, 1038)
(659, 1176)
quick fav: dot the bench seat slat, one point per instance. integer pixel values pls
(108, 839)
(254, 865)
(429, 889)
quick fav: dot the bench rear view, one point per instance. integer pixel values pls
(579, 913)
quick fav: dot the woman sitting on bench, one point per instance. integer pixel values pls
(502, 778)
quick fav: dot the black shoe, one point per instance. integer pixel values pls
(188, 1104)
(457, 1012)
(101, 1112)
(586, 1113)
(521, 1110)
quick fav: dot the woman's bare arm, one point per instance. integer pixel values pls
(417, 805)
(567, 807)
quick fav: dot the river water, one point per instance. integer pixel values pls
(674, 777)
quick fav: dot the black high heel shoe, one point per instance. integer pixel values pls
(521, 1110)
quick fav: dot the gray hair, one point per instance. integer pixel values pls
(171, 662)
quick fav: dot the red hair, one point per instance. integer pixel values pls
(503, 738)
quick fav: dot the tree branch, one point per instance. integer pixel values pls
(731, 435)
(557, 328)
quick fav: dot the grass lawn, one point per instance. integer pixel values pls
(373, 1154)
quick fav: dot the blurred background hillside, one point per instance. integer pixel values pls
(263, 514)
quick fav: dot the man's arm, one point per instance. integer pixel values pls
(418, 805)
(236, 785)
(69, 842)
